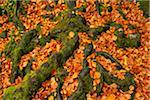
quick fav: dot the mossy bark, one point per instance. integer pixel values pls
(144, 5)
(109, 79)
(28, 67)
(97, 31)
(110, 57)
(84, 86)
(32, 80)
(10, 46)
(85, 81)
(70, 22)
(132, 40)
(124, 41)
(122, 84)
(25, 45)
(12, 8)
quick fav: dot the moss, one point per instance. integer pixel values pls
(121, 13)
(131, 26)
(59, 96)
(50, 16)
(10, 46)
(2, 11)
(28, 67)
(99, 86)
(70, 22)
(48, 8)
(132, 40)
(33, 79)
(122, 84)
(3, 34)
(60, 75)
(13, 7)
(33, 43)
(15, 51)
(18, 23)
(144, 5)
(133, 94)
(56, 2)
(99, 6)
(1, 52)
(71, 4)
(69, 46)
(9, 91)
(97, 31)
(110, 57)
(109, 79)
(42, 41)
(27, 37)
(109, 8)
(82, 8)
(88, 50)
(85, 81)
(16, 55)
(58, 59)
(85, 85)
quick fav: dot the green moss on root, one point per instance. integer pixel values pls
(32, 80)
(85, 81)
(122, 84)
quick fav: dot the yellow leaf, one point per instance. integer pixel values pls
(111, 97)
(71, 34)
(51, 98)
